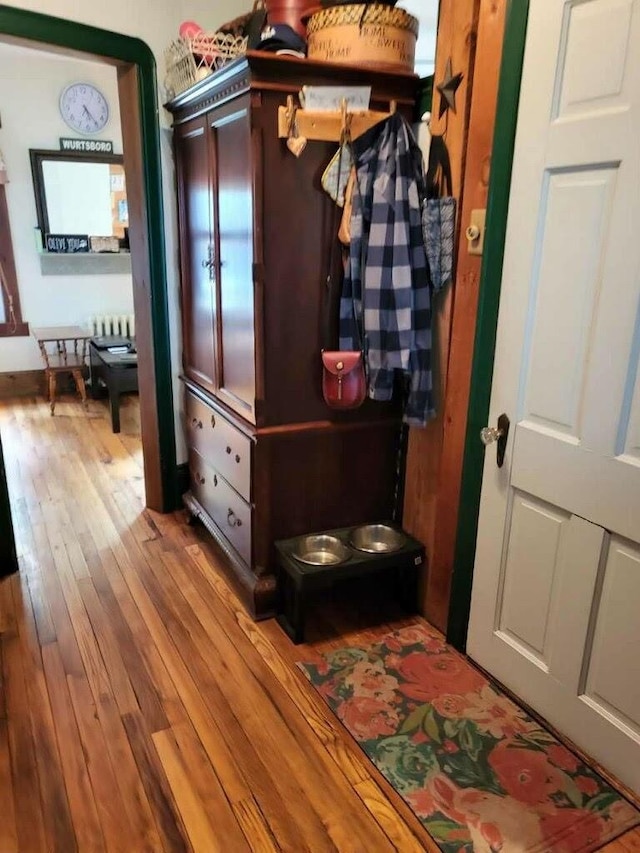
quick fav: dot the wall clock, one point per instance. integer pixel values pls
(84, 108)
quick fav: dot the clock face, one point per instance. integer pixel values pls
(84, 108)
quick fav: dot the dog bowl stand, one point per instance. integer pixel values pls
(298, 581)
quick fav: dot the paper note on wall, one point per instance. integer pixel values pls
(117, 183)
(326, 98)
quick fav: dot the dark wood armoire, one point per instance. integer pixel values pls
(267, 458)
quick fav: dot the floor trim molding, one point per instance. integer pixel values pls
(22, 383)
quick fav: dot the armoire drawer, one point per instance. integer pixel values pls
(221, 444)
(224, 505)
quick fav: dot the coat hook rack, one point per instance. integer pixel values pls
(330, 125)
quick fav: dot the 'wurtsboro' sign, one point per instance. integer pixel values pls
(87, 146)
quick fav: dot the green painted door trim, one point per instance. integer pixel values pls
(80, 37)
(8, 556)
(487, 319)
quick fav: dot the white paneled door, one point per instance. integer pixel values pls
(556, 595)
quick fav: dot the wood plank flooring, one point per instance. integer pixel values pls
(141, 709)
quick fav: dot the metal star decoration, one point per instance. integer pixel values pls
(448, 89)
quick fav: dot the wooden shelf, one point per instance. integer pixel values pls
(327, 126)
(85, 263)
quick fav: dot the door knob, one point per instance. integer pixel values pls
(490, 434)
(499, 434)
(209, 263)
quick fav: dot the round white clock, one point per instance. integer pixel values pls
(84, 108)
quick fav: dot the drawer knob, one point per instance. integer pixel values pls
(196, 423)
(232, 519)
(237, 457)
(215, 479)
(213, 421)
(228, 449)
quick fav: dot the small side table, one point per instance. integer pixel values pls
(117, 370)
(298, 581)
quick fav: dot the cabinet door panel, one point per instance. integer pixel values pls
(234, 231)
(198, 292)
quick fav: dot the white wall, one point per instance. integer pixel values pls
(154, 21)
(30, 86)
(426, 11)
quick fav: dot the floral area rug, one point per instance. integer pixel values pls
(479, 773)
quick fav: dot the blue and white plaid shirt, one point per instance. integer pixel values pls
(387, 273)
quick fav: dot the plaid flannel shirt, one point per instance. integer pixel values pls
(386, 301)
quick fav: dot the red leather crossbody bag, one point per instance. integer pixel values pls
(344, 384)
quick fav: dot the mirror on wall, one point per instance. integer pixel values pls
(80, 194)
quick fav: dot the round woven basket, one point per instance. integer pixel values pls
(372, 35)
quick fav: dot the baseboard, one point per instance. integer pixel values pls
(22, 383)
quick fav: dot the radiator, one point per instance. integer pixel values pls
(113, 324)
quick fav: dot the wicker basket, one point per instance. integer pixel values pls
(372, 35)
(188, 60)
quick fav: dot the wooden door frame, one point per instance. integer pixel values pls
(137, 86)
(487, 318)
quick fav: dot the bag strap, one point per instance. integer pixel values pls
(329, 331)
(439, 181)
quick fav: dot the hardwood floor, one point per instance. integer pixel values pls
(140, 707)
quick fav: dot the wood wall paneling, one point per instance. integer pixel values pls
(470, 33)
(457, 26)
(476, 186)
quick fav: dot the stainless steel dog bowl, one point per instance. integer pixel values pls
(377, 538)
(320, 550)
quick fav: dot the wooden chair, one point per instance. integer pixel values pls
(65, 354)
